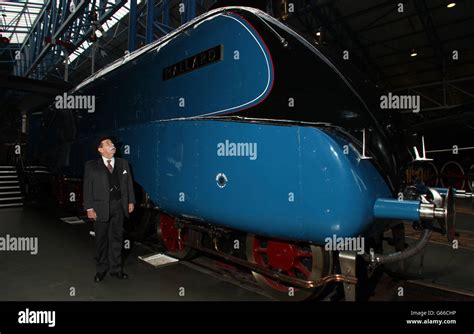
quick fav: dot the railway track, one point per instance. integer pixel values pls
(418, 291)
(386, 287)
(218, 269)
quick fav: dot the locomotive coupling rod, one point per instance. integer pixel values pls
(296, 282)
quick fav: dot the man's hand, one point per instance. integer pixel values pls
(131, 206)
(91, 214)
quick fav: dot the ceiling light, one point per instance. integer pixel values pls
(413, 53)
(451, 5)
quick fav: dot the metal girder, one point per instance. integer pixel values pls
(430, 92)
(429, 69)
(428, 26)
(166, 18)
(426, 19)
(132, 26)
(150, 12)
(157, 17)
(61, 23)
(166, 13)
(365, 11)
(21, 12)
(118, 32)
(190, 10)
(399, 19)
(160, 23)
(436, 83)
(418, 32)
(420, 47)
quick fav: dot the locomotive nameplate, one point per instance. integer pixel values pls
(195, 62)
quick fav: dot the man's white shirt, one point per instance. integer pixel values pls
(112, 161)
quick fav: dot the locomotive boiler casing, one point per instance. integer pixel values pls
(180, 107)
(300, 186)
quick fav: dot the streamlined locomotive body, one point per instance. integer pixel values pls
(236, 124)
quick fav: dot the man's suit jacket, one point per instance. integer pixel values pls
(96, 191)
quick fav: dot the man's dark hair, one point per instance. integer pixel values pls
(101, 139)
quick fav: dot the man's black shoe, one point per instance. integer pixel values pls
(99, 277)
(119, 275)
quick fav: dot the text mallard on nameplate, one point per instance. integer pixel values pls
(195, 62)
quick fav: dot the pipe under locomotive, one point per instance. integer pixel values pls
(236, 125)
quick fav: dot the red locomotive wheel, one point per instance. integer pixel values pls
(173, 239)
(452, 174)
(300, 260)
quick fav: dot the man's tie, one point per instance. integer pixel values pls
(109, 166)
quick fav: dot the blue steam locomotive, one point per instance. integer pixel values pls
(254, 146)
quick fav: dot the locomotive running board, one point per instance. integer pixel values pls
(297, 282)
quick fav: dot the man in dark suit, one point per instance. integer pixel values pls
(108, 197)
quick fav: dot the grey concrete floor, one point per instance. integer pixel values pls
(441, 263)
(65, 263)
(465, 215)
